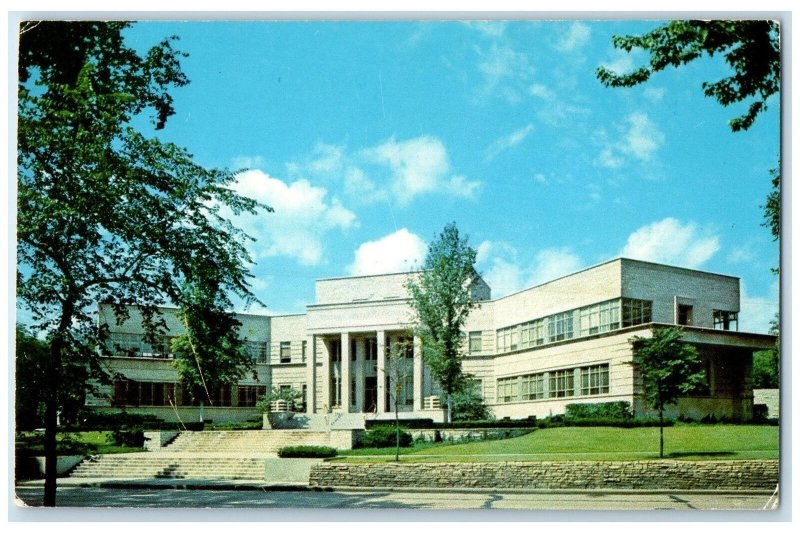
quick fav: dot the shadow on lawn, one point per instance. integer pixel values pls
(675, 455)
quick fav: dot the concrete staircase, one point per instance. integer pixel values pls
(254, 443)
(242, 455)
(146, 465)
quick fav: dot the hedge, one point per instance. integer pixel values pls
(314, 452)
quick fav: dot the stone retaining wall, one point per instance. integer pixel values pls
(466, 435)
(655, 475)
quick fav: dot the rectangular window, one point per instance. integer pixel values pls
(286, 352)
(335, 350)
(533, 387)
(303, 348)
(594, 380)
(723, 320)
(562, 383)
(257, 351)
(560, 326)
(371, 350)
(636, 312)
(508, 390)
(507, 339)
(475, 342)
(250, 394)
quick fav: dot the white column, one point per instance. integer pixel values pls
(417, 374)
(345, 372)
(361, 350)
(381, 371)
(325, 378)
(311, 368)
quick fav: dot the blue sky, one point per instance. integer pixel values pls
(368, 137)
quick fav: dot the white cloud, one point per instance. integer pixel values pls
(505, 273)
(542, 91)
(552, 263)
(741, 254)
(359, 187)
(642, 137)
(247, 162)
(508, 141)
(654, 94)
(488, 28)
(637, 137)
(575, 37)
(418, 166)
(756, 312)
(621, 64)
(669, 241)
(400, 251)
(503, 69)
(540, 178)
(302, 218)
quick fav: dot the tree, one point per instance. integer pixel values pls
(106, 214)
(468, 403)
(31, 356)
(398, 370)
(750, 47)
(767, 363)
(441, 297)
(668, 368)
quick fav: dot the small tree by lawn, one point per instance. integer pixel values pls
(669, 368)
(398, 371)
(441, 296)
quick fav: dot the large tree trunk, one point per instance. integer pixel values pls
(51, 390)
(52, 380)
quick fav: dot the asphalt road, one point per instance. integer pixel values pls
(397, 500)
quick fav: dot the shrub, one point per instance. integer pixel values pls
(315, 452)
(468, 404)
(385, 437)
(132, 437)
(408, 423)
(604, 410)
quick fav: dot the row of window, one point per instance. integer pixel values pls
(145, 393)
(589, 320)
(160, 394)
(591, 381)
(134, 345)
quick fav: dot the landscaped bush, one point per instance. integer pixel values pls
(410, 423)
(603, 410)
(127, 436)
(616, 422)
(385, 437)
(315, 452)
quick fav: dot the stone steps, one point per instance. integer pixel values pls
(255, 441)
(164, 466)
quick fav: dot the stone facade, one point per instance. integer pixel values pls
(581, 475)
(532, 352)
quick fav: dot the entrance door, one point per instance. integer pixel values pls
(370, 394)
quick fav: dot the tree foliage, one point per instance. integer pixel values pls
(750, 47)
(668, 368)
(772, 209)
(469, 404)
(767, 363)
(106, 214)
(441, 297)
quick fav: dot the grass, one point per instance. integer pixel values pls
(82, 443)
(682, 441)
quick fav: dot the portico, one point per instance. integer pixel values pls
(362, 371)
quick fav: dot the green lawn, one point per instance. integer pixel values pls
(85, 442)
(682, 441)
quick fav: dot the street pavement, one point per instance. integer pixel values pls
(171, 494)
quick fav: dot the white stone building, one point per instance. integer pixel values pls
(531, 352)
